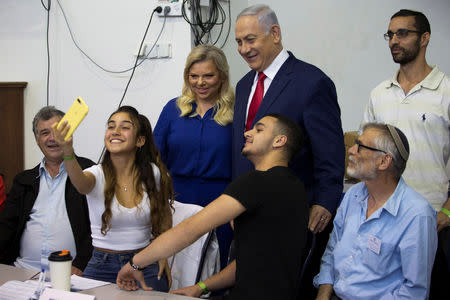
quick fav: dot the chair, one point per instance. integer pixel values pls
(306, 264)
(198, 261)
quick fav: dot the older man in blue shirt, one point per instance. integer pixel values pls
(384, 238)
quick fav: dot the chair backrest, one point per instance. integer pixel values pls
(198, 261)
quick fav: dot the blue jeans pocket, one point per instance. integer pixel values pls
(102, 266)
(105, 266)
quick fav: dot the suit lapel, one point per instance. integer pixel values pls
(242, 102)
(281, 80)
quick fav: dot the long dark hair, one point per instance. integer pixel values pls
(161, 199)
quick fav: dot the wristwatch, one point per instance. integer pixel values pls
(135, 267)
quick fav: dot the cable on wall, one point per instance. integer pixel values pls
(92, 60)
(139, 51)
(47, 8)
(202, 25)
(136, 63)
(229, 25)
(158, 9)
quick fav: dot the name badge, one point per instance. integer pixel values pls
(374, 244)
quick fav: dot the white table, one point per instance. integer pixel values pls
(112, 292)
(106, 292)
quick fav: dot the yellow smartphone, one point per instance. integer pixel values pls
(74, 116)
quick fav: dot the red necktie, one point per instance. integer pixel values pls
(256, 100)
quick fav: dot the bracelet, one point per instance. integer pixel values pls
(69, 157)
(446, 211)
(202, 285)
(135, 267)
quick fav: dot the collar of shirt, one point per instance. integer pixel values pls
(431, 82)
(209, 114)
(392, 204)
(52, 183)
(273, 68)
(43, 169)
(270, 72)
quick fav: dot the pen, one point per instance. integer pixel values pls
(38, 290)
(42, 282)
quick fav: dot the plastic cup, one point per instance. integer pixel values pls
(60, 263)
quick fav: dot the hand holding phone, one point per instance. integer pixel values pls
(74, 116)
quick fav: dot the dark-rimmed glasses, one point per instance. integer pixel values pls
(360, 145)
(401, 33)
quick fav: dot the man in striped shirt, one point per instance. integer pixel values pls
(417, 101)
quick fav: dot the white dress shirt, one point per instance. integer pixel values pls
(270, 72)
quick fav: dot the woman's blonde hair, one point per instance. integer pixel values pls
(225, 103)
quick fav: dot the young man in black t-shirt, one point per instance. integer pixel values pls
(269, 206)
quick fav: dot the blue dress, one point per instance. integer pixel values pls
(197, 152)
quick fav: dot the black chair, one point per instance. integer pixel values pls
(206, 247)
(306, 264)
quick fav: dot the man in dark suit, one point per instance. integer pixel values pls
(304, 94)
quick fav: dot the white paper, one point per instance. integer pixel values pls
(17, 290)
(80, 283)
(35, 283)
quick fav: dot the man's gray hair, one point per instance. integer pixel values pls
(386, 142)
(266, 16)
(45, 113)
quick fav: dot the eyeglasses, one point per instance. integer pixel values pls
(401, 33)
(360, 145)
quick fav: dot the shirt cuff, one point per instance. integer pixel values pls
(323, 278)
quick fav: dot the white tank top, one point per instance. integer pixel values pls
(129, 227)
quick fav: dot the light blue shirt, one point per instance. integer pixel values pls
(388, 256)
(48, 228)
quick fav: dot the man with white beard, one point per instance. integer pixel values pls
(416, 99)
(384, 238)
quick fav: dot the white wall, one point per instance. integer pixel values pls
(345, 39)
(342, 37)
(110, 31)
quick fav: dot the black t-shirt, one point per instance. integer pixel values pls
(270, 235)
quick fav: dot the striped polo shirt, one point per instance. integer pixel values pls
(423, 115)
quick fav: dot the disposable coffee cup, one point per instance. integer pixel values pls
(60, 263)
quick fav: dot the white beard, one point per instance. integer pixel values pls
(357, 171)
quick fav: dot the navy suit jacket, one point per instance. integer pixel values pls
(303, 93)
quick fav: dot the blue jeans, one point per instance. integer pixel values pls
(105, 266)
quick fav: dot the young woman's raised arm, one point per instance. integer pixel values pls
(84, 182)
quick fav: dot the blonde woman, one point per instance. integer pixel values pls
(193, 133)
